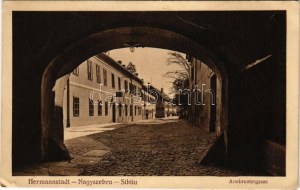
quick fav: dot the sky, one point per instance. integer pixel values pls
(151, 64)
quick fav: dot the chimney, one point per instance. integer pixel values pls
(162, 90)
(136, 74)
(120, 62)
(124, 65)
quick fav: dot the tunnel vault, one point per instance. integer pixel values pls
(51, 115)
(49, 45)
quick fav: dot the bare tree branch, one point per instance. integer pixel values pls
(178, 59)
(181, 75)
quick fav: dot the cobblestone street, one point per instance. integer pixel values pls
(147, 148)
(164, 148)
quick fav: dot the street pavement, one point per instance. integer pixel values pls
(80, 131)
(158, 147)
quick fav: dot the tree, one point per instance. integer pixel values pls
(180, 79)
(131, 68)
(180, 76)
(176, 58)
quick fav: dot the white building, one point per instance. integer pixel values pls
(102, 90)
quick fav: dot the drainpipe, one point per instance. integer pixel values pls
(144, 97)
(68, 104)
(131, 98)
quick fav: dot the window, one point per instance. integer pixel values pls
(135, 91)
(91, 107)
(112, 80)
(90, 70)
(76, 71)
(131, 110)
(125, 85)
(135, 108)
(106, 108)
(140, 110)
(120, 109)
(75, 106)
(192, 73)
(99, 108)
(131, 88)
(142, 95)
(104, 77)
(98, 74)
(210, 73)
(126, 110)
(119, 83)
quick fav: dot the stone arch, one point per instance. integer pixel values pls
(70, 58)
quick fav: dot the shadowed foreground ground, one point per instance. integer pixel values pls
(155, 147)
(159, 148)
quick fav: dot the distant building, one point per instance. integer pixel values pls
(149, 105)
(164, 106)
(102, 90)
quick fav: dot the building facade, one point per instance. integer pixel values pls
(149, 105)
(203, 96)
(102, 90)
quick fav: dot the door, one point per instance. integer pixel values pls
(213, 111)
(114, 112)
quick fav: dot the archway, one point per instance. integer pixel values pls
(52, 146)
(239, 39)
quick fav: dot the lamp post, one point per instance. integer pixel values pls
(131, 49)
(132, 44)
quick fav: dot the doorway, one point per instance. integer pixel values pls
(213, 112)
(114, 112)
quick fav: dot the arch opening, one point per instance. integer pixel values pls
(52, 134)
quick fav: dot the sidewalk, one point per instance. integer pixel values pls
(157, 120)
(80, 131)
(74, 132)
